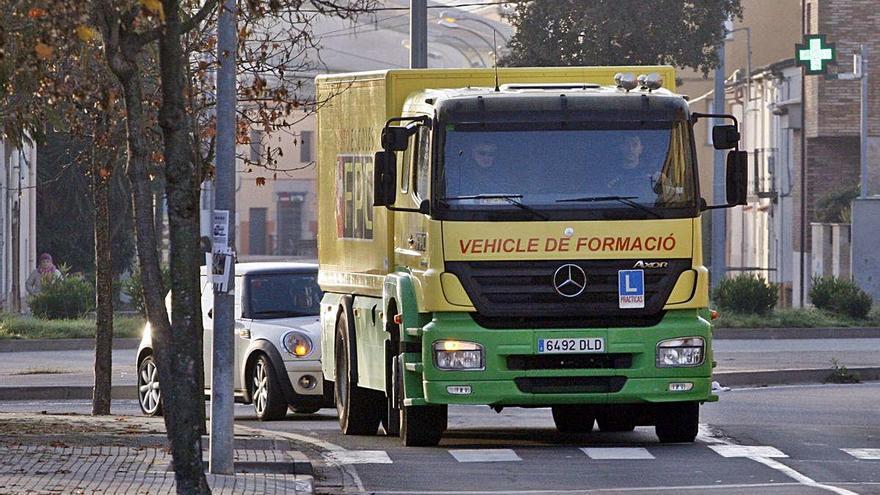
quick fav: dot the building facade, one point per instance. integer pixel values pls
(18, 220)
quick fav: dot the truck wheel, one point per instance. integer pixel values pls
(355, 406)
(422, 426)
(573, 418)
(677, 422)
(612, 422)
(269, 402)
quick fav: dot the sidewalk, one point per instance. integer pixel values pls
(128, 455)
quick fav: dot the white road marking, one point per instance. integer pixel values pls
(605, 453)
(864, 454)
(747, 451)
(484, 455)
(358, 457)
(705, 435)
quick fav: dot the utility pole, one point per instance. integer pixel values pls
(719, 215)
(418, 34)
(222, 398)
(860, 70)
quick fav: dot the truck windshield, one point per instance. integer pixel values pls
(283, 295)
(644, 167)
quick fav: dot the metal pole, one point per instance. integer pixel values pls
(719, 216)
(418, 34)
(801, 276)
(863, 123)
(222, 398)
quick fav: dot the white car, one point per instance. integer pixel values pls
(277, 345)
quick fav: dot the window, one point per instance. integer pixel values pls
(423, 160)
(256, 145)
(305, 147)
(257, 231)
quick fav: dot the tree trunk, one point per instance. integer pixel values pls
(182, 193)
(104, 289)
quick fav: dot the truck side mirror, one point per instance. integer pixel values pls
(725, 137)
(396, 138)
(384, 178)
(737, 177)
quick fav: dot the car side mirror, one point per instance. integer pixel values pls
(737, 177)
(725, 137)
(384, 178)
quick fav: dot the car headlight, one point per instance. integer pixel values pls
(297, 344)
(457, 355)
(683, 352)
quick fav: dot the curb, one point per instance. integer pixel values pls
(795, 333)
(787, 377)
(47, 345)
(63, 393)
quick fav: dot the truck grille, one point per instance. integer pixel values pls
(521, 294)
(569, 362)
(571, 384)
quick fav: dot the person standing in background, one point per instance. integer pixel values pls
(45, 269)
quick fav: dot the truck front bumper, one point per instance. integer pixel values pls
(632, 380)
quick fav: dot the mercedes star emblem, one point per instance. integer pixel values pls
(569, 280)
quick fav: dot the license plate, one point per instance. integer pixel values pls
(561, 346)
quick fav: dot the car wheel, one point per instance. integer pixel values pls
(573, 418)
(269, 403)
(149, 394)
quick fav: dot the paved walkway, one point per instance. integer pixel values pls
(124, 455)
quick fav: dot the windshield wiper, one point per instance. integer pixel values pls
(627, 200)
(510, 198)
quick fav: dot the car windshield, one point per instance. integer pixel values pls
(283, 295)
(636, 166)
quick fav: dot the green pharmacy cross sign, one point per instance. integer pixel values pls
(814, 54)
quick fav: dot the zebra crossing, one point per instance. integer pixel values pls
(493, 455)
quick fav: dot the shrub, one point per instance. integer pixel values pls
(134, 288)
(746, 293)
(839, 296)
(63, 298)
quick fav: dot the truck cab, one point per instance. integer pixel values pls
(544, 249)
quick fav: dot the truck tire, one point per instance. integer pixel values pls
(573, 418)
(355, 406)
(422, 426)
(677, 423)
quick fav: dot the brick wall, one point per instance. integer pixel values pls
(833, 106)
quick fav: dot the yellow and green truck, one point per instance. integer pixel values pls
(526, 237)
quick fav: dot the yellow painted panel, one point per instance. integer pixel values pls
(655, 239)
(454, 291)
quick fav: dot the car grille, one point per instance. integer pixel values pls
(521, 294)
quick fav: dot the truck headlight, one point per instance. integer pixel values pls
(297, 344)
(457, 355)
(684, 352)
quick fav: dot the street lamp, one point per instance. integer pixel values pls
(446, 19)
(452, 25)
